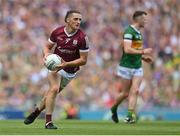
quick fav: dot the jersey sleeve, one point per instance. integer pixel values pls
(84, 45)
(128, 35)
(52, 38)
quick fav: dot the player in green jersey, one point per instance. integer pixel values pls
(130, 67)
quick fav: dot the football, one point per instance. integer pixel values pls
(52, 61)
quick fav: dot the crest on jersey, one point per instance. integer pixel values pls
(138, 37)
(75, 42)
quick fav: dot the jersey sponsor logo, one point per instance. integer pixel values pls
(66, 51)
(137, 44)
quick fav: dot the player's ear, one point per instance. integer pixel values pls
(67, 20)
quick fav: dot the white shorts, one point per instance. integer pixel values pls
(129, 73)
(65, 77)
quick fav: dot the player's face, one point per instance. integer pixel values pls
(142, 20)
(74, 20)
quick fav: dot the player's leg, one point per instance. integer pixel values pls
(125, 80)
(62, 81)
(51, 94)
(122, 95)
(133, 95)
(42, 103)
(54, 80)
(33, 115)
(65, 79)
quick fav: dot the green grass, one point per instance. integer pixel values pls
(77, 127)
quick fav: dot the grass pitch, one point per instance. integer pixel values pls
(77, 127)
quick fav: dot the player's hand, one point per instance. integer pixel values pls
(60, 66)
(147, 59)
(147, 51)
(44, 59)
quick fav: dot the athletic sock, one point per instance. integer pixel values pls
(48, 118)
(130, 113)
(114, 108)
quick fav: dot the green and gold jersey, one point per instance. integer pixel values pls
(132, 60)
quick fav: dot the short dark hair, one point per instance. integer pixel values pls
(138, 13)
(69, 13)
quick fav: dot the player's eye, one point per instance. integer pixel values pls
(76, 19)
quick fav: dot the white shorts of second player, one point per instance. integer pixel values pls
(129, 73)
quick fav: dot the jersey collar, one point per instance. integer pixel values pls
(135, 29)
(69, 35)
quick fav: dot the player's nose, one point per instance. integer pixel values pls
(79, 21)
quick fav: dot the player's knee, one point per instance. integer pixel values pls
(135, 90)
(126, 94)
(54, 89)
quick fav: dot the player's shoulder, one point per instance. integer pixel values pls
(128, 29)
(128, 33)
(81, 33)
(59, 29)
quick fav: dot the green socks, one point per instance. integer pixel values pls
(114, 108)
(132, 114)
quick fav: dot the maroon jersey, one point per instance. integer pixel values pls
(69, 46)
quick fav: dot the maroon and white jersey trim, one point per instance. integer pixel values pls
(84, 50)
(69, 35)
(49, 40)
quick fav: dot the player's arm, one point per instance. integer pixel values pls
(47, 49)
(51, 42)
(78, 62)
(127, 44)
(128, 49)
(147, 58)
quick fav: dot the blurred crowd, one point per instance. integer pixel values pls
(25, 26)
